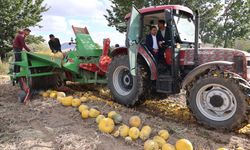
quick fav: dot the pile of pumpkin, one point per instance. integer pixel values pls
(49, 53)
(245, 130)
(129, 133)
(170, 108)
(132, 133)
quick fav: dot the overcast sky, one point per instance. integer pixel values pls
(65, 13)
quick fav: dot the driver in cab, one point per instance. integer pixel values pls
(152, 42)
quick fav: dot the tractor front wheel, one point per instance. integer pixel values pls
(218, 103)
(125, 88)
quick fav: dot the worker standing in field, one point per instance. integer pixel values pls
(54, 44)
(18, 45)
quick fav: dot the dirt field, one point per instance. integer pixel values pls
(46, 124)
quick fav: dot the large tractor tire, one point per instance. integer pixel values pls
(218, 102)
(126, 89)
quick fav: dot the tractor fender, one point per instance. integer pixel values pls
(200, 69)
(146, 55)
(119, 51)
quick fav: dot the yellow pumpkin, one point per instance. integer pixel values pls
(53, 95)
(145, 132)
(85, 114)
(54, 91)
(135, 121)
(124, 130)
(49, 91)
(151, 145)
(93, 113)
(84, 99)
(41, 93)
(45, 94)
(128, 140)
(59, 99)
(159, 140)
(92, 97)
(76, 102)
(111, 114)
(183, 144)
(61, 94)
(134, 133)
(59, 55)
(83, 107)
(164, 134)
(168, 146)
(99, 118)
(106, 125)
(52, 55)
(67, 101)
(116, 134)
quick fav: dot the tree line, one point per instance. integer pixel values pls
(222, 21)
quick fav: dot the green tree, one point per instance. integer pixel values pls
(16, 15)
(233, 22)
(208, 9)
(31, 39)
(118, 11)
(221, 21)
(41, 46)
(242, 44)
(208, 22)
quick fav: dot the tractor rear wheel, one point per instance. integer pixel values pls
(218, 103)
(125, 88)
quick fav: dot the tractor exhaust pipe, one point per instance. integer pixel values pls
(196, 38)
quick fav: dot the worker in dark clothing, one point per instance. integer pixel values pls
(18, 45)
(152, 42)
(161, 31)
(54, 44)
(161, 37)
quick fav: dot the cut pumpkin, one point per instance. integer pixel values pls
(183, 144)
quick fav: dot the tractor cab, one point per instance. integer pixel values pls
(183, 22)
(179, 31)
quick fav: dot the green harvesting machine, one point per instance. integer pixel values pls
(87, 63)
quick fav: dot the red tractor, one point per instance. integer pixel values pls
(216, 80)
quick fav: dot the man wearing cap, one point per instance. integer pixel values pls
(18, 45)
(54, 44)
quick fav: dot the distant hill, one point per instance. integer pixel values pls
(66, 47)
